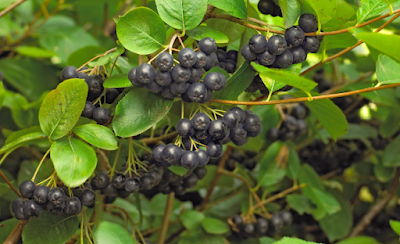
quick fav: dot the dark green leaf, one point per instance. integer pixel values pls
(138, 111)
(7, 226)
(74, 160)
(390, 125)
(293, 163)
(285, 77)
(237, 83)
(339, 41)
(214, 226)
(2, 94)
(299, 203)
(383, 174)
(382, 42)
(108, 232)
(20, 137)
(35, 52)
(387, 70)
(236, 8)
(17, 104)
(274, 85)
(62, 108)
(323, 9)
(290, 11)
(270, 172)
(182, 14)
(178, 170)
(359, 240)
(202, 31)
(81, 56)
(192, 219)
(395, 226)
(97, 135)
(141, 31)
(118, 81)
(344, 18)
(391, 157)
(369, 9)
(267, 240)
(289, 240)
(27, 169)
(355, 131)
(50, 228)
(223, 182)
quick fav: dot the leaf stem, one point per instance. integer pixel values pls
(167, 214)
(40, 164)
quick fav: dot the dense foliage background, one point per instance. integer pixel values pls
(338, 181)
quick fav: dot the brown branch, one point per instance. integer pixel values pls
(349, 48)
(217, 175)
(304, 99)
(160, 138)
(11, 7)
(165, 221)
(377, 207)
(15, 234)
(9, 184)
(340, 86)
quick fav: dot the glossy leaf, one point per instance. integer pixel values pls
(290, 11)
(202, 31)
(270, 172)
(108, 232)
(339, 41)
(382, 42)
(138, 111)
(323, 9)
(35, 52)
(97, 135)
(182, 14)
(192, 219)
(359, 240)
(237, 83)
(141, 31)
(345, 17)
(74, 160)
(21, 137)
(387, 70)
(299, 203)
(274, 85)
(214, 226)
(289, 240)
(395, 226)
(369, 9)
(49, 228)
(117, 81)
(236, 8)
(285, 77)
(391, 157)
(62, 108)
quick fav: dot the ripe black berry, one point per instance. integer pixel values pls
(56, 196)
(207, 45)
(203, 157)
(101, 115)
(299, 112)
(277, 45)
(238, 134)
(196, 75)
(266, 58)
(190, 160)
(26, 188)
(56, 209)
(201, 121)
(261, 226)
(147, 182)
(230, 66)
(69, 72)
(284, 60)
(185, 128)
(178, 88)
(200, 172)
(179, 190)
(32, 209)
(310, 44)
(88, 110)
(252, 123)
(248, 229)
(258, 43)
(145, 73)
(110, 199)
(247, 53)
(299, 55)
(221, 55)
(88, 198)
(172, 154)
(95, 85)
(308, 23)
(132, 185)
(190, 181)
(164, 61)
(214, 149)
(133, 79)
(73, 206)
(277, 222)
(294, 36)
(302, 127)
(287, 218)
(218, 129)
(17, 203)
(266, 7)
(181, 74)
(201, 60)
(118, 181)
(157, 152)
(211, 61)
(249, 163)
(111, 95)
(153, 87)
(166, 93)
(215, 81)
(232, 55)
(163, 78)
(290, 123)
(109, 190)
(40, 194)
(273, 134)
(197, 92)
(187, 57)
(100, 180)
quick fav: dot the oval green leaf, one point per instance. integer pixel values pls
(117, 81)
(141, 31)
(202, 31)
(236, 8)
(182, 14)
(20, 137)
(62, 108)
(214, 226)
(108, 232)
(97, 135)
(369, 9)
(387, 70)
(138, 111)
(50, 228)
(382, 42)
(290, 11)
(74, 160)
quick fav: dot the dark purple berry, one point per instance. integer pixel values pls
(218, 129)
(163, 78)
(197, 92)
(185, 128)
(277, 45)
(73, 206)
(214, 149)
(187, 57)
(101, 115)
(172, 154)
(145, 73)
(201, 121)
(247, 53)
(190, 160)
(164, 61)
(258, 43)
(26, 188)
(284, 60)
(308, 23)
(40, 194)
(294, 36)
(207, 45)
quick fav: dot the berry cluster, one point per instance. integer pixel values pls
(183, 79)
(95, 89)
(226, 60)
(56, 200)
(292, 126)
(281, 52)
(269, 7)
(245, 158)
(261, 227)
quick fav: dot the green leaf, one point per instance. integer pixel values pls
(323, 9)
(389, 126)
(387, 70)
(290, 11)
(181, 171)
(299, 203)
(138, 111)
(334, 122)
(391, 157)
(270, 172)
(383, 174)
(395, 226)
(81, 56)
(289, 240)
(182, 14)
(22, 117)
(236, 8)
(7, 227)
(21, 137)
(2, 94)
(35, 52)
(359, 240)
(369, 9)
(141, 31)
(382, 42)
(355, 131)
(49, 228)
(192, 219)
(202, 31)
(231, 29)
(237, 83)
(338, 225)
(344, 18)
(97, 135)
(74, 160)
(294, 165)
(214, 226)
(267, 240)
(117, 81)
(108, 232)
(286, 77)
(223, 182)
(62, 108)
(109, 58)
(274, 85)
(339, 41)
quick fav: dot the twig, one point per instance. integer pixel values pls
(160, 138)
(9, 184)
(340, 86)
(15, 234)
(377, 207)
(155, 229)
(217, 175)
(11, 7)
(165, 221)
(304, 99)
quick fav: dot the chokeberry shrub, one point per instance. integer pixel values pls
(177, 121)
